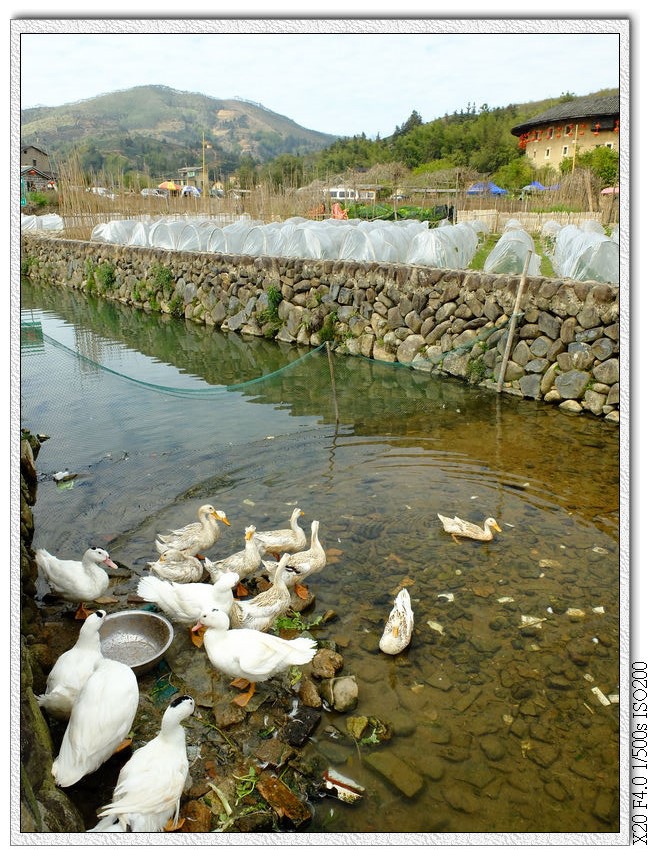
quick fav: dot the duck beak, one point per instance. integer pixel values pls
(109, 563)
(496, 527)
(196, 627)
(224, 520)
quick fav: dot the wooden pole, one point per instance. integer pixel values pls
(513, 320)
(331, 365)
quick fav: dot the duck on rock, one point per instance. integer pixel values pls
(250, 656)
(100, 721)
(78, 581)
(148, 792)
(72, 669)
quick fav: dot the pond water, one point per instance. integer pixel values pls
(495, 716)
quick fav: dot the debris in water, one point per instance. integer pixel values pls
(531, 622)
(448, 595)
(436, 626)
(600, 696)
(61, 477)
(346, 789)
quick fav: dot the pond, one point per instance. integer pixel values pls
(494, 713)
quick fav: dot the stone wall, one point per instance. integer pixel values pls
(565, 349)
(43, 806)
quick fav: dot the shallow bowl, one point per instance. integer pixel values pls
(138, 638)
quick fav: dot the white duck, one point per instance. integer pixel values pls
(80, 582)
(261, 611)
(246, 562)
(283, 540)
(303, 563)
(399, 627)
(100, 721)
(459, 528)
(72, 669)
(177, 566)
(250, 656)
(147, 795)
(195, 537)
(184, 603)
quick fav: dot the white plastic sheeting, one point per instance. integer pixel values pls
(583, 255)
(404, 242)
(510, 252)
(47, 222)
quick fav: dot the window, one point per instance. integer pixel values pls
(610, 145)
(548, 153)
(551, 132)
(565, 150)
(568, 129)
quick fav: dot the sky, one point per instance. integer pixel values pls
(343, 83)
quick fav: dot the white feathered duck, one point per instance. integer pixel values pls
(72, 669)
(100, 721)
(184, 603)
(398, 630)
(250, 656)
(148, 792)
(78, 581)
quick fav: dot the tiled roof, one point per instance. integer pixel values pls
(576, 109)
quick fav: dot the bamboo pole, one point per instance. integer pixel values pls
(513, 320)
(331, 365)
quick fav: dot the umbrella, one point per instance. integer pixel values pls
(609, 190)
(190, 190)
(169, 184)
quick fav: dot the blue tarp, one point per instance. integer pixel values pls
(536, 186)
(486, 188)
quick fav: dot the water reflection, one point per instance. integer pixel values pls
(496, 719)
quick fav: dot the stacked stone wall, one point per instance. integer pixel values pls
(565, 349)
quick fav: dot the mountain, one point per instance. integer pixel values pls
(134, 123)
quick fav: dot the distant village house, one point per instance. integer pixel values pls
(35, 169)
(569, 128)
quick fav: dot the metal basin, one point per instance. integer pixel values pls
(138, 638)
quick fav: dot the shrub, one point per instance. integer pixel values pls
(162, 278)
(177, 307)
(105, 276)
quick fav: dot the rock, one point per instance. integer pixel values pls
(341, 694)
(396, 772)
(531, 386)
(197, 817)
(459, 797)
(326, 664)
(492, 747)
(308, 693)
(607, 371)
(284, 802)
(543, 754)
(300, 726)
(572, 385)
(409, 348)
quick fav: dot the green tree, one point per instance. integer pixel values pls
(601, 161)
